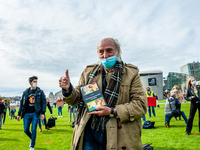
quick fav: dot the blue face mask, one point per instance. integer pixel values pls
(109, 62)
(194, 83)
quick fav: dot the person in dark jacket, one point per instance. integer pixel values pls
(2, 107)
(5, 111)
(32, 104)
(45, 121)
(193, 95)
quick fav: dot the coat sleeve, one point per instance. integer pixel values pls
(188, 96)
(20, 107)
(49, 107)
(75, 96)
(43, 103)
(137, 107)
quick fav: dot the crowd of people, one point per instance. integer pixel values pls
(114, 126)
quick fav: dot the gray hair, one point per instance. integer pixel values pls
(117, 46)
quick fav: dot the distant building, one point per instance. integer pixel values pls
(16, 99)
(51, 97)
(175, 78)
(154, 80)
(192, 69)
(58, 94)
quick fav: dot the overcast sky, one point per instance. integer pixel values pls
(44, 38)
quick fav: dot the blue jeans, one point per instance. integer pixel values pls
(169, 116)
(94, 140)
(1, 117)
(144, 118)
(59, 111)
(72, 110)
(28, 119)
(149, 109)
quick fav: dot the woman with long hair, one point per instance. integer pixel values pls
(193, 95)
(174, 89)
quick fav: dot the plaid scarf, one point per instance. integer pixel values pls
(111, 96)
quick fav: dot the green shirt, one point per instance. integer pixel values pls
(196, 93)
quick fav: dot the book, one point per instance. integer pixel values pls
(92, 96)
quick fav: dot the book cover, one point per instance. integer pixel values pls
(92, 96)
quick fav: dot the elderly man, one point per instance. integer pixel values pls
(118, 125)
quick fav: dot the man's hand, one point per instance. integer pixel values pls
(64, 82)
(51, 115)
(102, 111)
(18, 118)
(192, 96)
(42, 117)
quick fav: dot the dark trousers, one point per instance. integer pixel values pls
(193, 109)
(4, 117)
(45, 122)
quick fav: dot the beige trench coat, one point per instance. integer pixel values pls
(131, 107)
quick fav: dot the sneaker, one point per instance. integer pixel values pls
(0, 128)
(187, 133)
(31, 148)
(58, 116)
(175, 119)
(4, 124)
(61, 116)
(40, 130)
(166, 124)
(30, 144)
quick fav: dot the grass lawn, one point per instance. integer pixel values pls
(12, 136)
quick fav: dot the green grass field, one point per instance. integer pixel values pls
(12, 136)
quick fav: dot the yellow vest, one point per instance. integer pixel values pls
(151, 94)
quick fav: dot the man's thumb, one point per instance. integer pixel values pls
(66, 74)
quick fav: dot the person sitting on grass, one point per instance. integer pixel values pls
(174, 105)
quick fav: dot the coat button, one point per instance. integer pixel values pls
(123, 147)
(119, 126)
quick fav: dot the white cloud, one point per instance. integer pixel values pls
(45, 38)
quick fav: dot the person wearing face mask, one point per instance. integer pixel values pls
(12, 109)
(193, 95)
(174, 89)
(32, 104)
(150, 93)
(117, 125)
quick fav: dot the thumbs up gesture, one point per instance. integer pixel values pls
(64, 82)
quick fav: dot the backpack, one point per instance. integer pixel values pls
(148, 125)
(51, 122)
(147, 147)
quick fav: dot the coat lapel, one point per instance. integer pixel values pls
(98, 78)
(192, 90)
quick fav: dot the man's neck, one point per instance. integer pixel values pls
(32, 88)
(109, 70)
